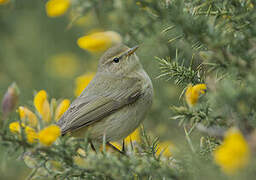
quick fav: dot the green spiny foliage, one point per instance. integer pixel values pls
(198, 41)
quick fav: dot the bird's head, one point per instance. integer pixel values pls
(120, 60)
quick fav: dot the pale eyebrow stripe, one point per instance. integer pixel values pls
(120, 56)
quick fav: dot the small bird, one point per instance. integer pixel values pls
(116, 100)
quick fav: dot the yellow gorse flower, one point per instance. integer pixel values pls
(15, 127)
(134, 136)
(165, 149)
(4, 1)
(48, 135)
(233, 153)
(82, 81)
(42, 105)
(31, 134)
(28, 117)
(99, 41)
(110, 149)
(55, 8)
(63, 106)
(116, 145)
(193, 92)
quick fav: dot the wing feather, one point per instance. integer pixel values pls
(102, 97)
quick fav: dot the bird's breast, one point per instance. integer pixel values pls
(124, 121)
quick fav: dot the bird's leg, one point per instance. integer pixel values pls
(116, 149)
(123, 147)
(92, 146)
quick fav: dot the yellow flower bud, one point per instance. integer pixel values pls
(193, 93)
(99, 41)
(55, 8)
(48, 135)
(63, 106)
(82, 81)
(29, 116)
(10, 99)
(42, 105)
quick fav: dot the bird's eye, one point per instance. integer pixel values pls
(116, 60)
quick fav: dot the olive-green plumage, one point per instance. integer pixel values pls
(115, 102)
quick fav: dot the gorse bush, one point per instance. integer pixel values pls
(202, 52)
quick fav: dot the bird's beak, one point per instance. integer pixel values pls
(130, 51)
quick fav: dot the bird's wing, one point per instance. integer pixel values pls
(102, 97)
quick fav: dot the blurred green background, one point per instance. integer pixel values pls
(38, 52)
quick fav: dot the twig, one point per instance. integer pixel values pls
(215, 131)
(32, 174)
(189, 140)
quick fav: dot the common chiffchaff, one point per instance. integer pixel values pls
(115, 102)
